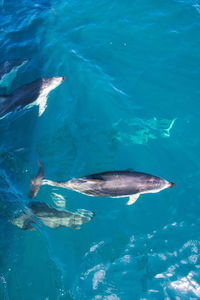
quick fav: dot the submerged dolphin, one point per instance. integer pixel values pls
(34, 93)
(10, 65)
(115, 184)
(51, 217)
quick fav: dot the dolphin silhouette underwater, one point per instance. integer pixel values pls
(8, 66)
(51, 217)
(34, 93)
(114, 184)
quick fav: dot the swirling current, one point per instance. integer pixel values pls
(130, 100)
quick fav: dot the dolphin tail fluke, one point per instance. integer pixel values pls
(37, 181)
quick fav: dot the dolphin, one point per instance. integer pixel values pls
(51, 217)
(11, 65)
(34, 93)
(114, 184)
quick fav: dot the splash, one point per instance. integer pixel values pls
(187, 284)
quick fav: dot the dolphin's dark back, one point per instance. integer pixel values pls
(20, 97)
(109, 175)
(108, 184)
(120, 183)
(27, 93)
(6, 104)
(41, 209)
(36, 91)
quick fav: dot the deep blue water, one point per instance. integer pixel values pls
(130, 100)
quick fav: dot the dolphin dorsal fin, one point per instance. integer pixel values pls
(133, 199)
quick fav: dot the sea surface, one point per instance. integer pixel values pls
(130, 100)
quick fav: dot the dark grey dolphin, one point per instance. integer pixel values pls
(34, 93)
(113, 184)
(10, 65)
(51, 217)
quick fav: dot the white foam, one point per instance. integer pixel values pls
(98, 278)
(187, 284)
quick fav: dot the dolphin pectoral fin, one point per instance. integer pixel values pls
(133, 199)
(42, 105)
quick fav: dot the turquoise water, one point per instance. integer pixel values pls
(130, 100)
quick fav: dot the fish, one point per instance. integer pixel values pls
(51, 217)
(34, 93)
(114, 184)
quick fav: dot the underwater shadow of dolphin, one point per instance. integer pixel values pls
(34, 93)
(51, 217)
(114, 184)
(8, 66)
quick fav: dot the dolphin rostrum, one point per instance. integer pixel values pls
(34, 93)
(115, 184)
(51, 217)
